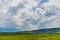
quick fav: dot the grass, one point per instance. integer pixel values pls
(29, 36)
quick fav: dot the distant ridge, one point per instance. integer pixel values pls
(43, 31)
(52, 30)
(39, 31)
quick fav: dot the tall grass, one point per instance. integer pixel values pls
(29, 36)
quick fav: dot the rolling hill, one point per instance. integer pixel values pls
(42, 31)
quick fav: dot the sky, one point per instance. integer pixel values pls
(25, 15)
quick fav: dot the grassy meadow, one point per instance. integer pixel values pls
(29, 36)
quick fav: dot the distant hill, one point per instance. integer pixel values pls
(39, 31)
(52, 30)
(43, 31)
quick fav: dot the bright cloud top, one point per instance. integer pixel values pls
(29, 14)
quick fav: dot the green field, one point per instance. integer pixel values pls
(29, 36)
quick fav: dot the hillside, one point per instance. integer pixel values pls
(43, 31)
